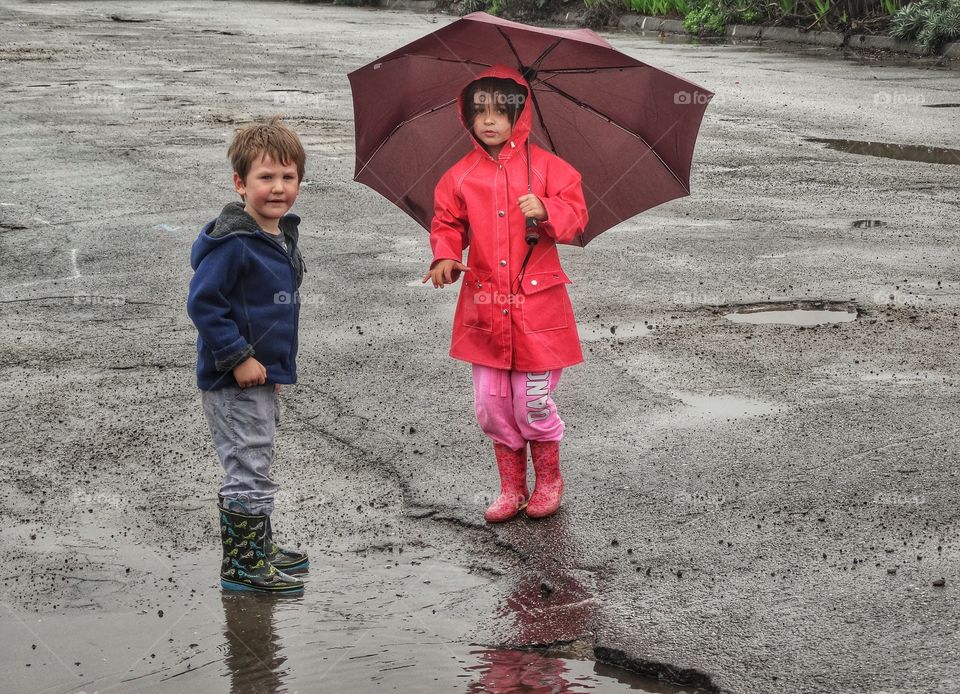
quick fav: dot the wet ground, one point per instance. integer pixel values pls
(751, 507)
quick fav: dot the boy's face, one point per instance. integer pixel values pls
(269, 190)
(491, 120)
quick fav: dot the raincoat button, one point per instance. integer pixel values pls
(533, 282)
(503, 263)
(501, 213)
(505, 311)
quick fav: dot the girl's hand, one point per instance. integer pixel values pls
(532, 207)
(442, 272)
(249, 372)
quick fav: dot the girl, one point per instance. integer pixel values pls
(511, 202)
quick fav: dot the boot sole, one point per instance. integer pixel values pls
(243, 587)
(299, 567)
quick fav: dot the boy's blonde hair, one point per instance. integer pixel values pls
(271, 139)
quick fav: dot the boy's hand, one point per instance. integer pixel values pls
(532, 207)
(442, 272)
(249, 372)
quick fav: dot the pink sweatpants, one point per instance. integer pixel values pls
(514, 407)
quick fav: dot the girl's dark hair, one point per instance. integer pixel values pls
(504, 91)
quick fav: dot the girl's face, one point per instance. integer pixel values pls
(491, 121)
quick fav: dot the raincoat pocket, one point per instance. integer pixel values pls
(476, 301)
(545, 304)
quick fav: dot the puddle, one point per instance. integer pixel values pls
(708, 406)
(928, 155)
(131, 618)
(810, 313)
(594, 332)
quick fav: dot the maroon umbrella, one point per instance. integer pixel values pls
(627, 127)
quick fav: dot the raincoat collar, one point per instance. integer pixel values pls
(521, 129)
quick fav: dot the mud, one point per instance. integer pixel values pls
(749, 508)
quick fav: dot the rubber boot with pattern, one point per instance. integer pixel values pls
(513, 484)
(287, 560)
(244, 565)
(548, 488)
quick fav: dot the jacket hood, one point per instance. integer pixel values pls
(234, 221)
(521, 129)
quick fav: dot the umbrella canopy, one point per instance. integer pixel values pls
(627, 127)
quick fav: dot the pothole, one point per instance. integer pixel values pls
(801, 313)
(867, 223)
(887, 150)
(514, 670)
(577, 666)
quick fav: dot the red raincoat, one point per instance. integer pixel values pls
(475, 205)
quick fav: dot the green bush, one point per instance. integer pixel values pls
(930, 23)
(711, 16)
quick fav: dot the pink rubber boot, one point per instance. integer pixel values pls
(513, 484)
(549, 485)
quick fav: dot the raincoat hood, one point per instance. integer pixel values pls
(234, 221)
(521, 129)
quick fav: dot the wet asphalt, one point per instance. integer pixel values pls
(750, 507)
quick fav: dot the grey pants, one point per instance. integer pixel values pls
(243, 423)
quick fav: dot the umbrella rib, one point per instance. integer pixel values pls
(435, 57)
(587, 70)
(396, 128)
(536, 63)
(607, 118)
(512, 49)
(533, 97)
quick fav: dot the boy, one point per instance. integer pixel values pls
(245, 304)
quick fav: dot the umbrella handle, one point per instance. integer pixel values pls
(532, 236)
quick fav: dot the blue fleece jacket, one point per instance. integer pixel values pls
(243, 297)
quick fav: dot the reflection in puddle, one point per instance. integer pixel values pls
(253, 648)
(887, 150)
(554, 607)
(513, 671)
(792, 317)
